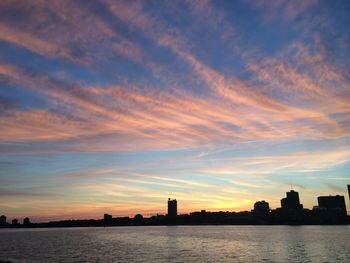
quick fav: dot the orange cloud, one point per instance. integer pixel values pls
(74, 37)
(230, 109)
(152, 118)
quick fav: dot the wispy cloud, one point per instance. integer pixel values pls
(230, 108)
(293, 163)
(283, 9)
(175, 117)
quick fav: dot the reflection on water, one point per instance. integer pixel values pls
(178, 244)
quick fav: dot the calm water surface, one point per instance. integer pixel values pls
(178, 244)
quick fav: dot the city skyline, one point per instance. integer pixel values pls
(290, 202)
(113, 106)
(329, 210)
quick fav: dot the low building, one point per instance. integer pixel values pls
(138, 217)
(332, 203)
(261, 207)
(3, 220)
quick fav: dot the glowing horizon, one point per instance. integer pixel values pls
(114, 106)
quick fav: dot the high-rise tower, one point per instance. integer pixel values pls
(291, 201)
(172, 208)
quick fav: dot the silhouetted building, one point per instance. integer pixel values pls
(138, 217)
(349, 190)
(14, 222)
(261, 207)
(107, 217)
(26, 221)
(3, 220)
(332, 203)
(172, 208)
(291, 201)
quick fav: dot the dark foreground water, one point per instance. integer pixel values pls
(178, 244)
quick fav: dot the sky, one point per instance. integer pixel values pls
(115, 106)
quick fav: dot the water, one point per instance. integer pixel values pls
(178, 244)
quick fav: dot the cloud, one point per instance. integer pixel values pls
(28, 41)
(41, 125)
(206, 13)
(283, 9)
(26, 193)
(262, 166)
(233, 111)
(231, 108)
(65, 29)
(336, 188)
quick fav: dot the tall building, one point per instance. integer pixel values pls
(332, 203)
(261, 207)
(3, 220)
(26, 221)
(291, 201)
(349, 190)
(172, 208)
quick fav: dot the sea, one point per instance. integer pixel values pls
(177, 244)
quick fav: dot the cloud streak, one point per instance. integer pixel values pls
(232, 110)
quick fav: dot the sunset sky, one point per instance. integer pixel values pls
(114, 106)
